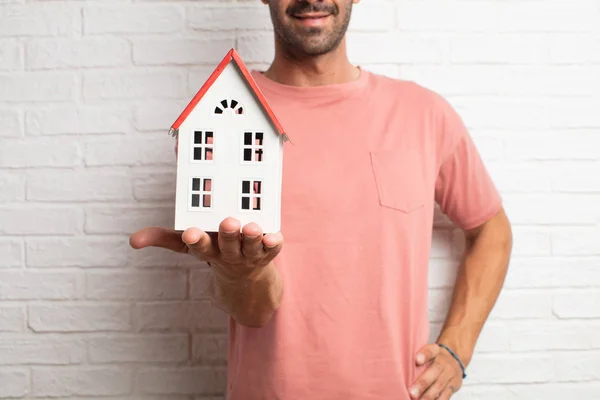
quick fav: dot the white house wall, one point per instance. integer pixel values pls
(227, 168)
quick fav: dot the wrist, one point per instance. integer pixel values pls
(459, 343)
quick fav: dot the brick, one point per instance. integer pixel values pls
(79, 317)
(38, 87)
(439, 302)
(139, 348)
(159, 115)
(140, 150)
(487, 392)
(12, 318)
(77, 252)
(41, 350)
(199, 380)
(19, 153)
(577, 304)
(532, 178)
(408, 48)
(504, 113)
(25, 285)
(78, 120)
(530, 242)
(494, 337)
(502, 48)
(577, 113)
(11, 253)
(533, 81)
(364, 13)
(469, 80)
(11, 122)
(553, 335)
(576, 390)
(522, 304)
(39, 20)
(541, 209)
(555, 272)
(553, 145)
(179, 317)
(562, 51)
(441, 244)
(77, 53)
(87, 185)
(571, 177)
(224, 17)
(442, 273)
(13, 186)
(40, 221)
(512, 368)
(140, 285)
(493, 17)
(119, 85)
(454, 16)
(126, 219)
(451, 80)
(577, 366)
(151, 185)
(580, 241)
(210, 49)
(10, 55)
(15, 383)
(80, 381)
(133, 19)
(210, 349)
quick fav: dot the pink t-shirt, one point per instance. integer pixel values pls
(367, 161)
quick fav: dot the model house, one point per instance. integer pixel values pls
(230, 149)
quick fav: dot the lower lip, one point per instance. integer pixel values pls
(313, 21)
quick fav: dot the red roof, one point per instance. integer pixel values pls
(231, 55)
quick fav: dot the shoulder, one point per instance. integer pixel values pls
(418, 96)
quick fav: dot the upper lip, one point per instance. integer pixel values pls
(311, 15)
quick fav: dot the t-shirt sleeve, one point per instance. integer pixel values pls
(464, 190)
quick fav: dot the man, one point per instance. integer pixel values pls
(340, 310)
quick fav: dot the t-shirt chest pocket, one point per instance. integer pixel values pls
(399, 179)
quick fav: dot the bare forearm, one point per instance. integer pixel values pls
(251, 300)
(479, 282)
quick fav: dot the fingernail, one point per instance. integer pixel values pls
(414, 392)
(420, 358)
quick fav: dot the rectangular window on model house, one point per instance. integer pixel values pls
(203, 146)
(201, 193)
(253, 147)
(251, 197)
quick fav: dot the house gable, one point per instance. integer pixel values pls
(231, 60)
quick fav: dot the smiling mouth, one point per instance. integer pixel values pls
(310, 16)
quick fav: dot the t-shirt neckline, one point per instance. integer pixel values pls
(334, 90)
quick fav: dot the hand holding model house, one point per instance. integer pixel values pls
(229, 152)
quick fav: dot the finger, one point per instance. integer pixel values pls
(158, 237)
(200, 244)
(272, 244)
(425, 380)
(252, 247)
(427, 353)
(438, 386)
(446, 394)
(229, 240)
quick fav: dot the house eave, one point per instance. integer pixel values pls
(174, 132)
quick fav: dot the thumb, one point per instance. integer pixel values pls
(427, 353)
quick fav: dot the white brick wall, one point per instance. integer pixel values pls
(87, 92)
